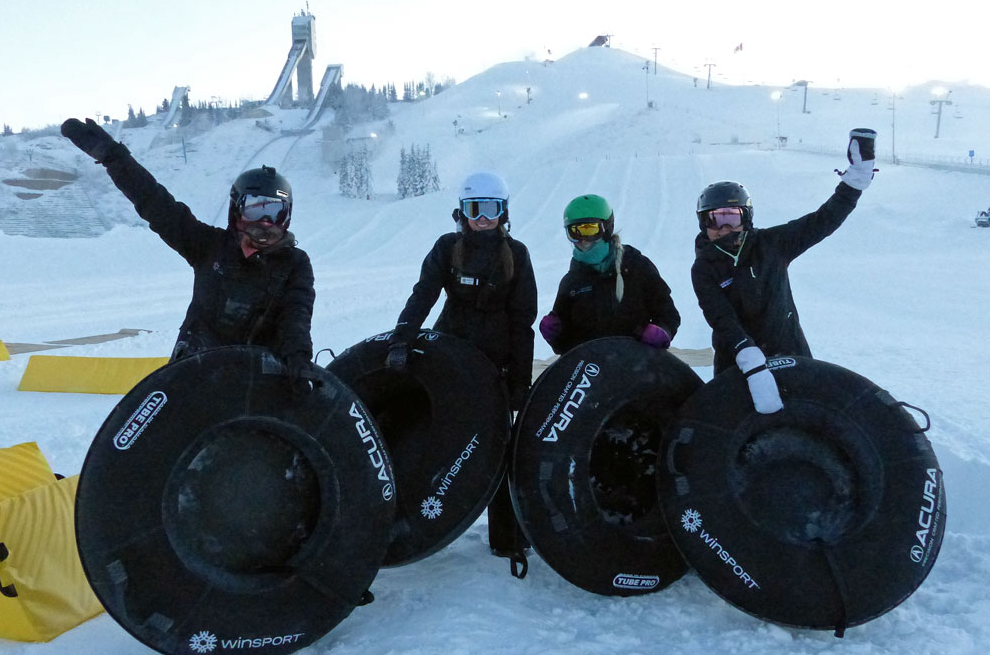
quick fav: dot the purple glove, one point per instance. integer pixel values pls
(654, 335)
(550, 327)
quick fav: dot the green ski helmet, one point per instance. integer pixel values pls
(587, 208)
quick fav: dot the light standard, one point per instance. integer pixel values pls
(893, 125)
(646, 67)
(499, 94)
(776, 95)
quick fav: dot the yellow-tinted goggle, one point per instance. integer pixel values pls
(587, 231)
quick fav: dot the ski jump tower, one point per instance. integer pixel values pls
(299, 61)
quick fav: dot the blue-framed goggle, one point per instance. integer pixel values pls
(475, 208)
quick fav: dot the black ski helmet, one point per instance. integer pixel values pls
(719, 195)
(262, 181)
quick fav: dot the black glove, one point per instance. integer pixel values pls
(301, 374)
(92, 139)
(398, 357)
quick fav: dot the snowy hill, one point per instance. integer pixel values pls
(899, 294)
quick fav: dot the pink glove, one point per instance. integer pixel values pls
(654, 335)
(550, 327)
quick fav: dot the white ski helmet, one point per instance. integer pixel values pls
(484, 184)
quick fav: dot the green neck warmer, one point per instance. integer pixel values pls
(597, 256)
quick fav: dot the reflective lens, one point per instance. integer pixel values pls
(263, 208)
(731, 216)
(588, 231)
(475, 208)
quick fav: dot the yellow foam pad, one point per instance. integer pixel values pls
(22, 468)
(4, 353)
(109, 375)
(46, 590)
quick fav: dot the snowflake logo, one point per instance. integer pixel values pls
(691, 520)
(203, 642)
(431, 508)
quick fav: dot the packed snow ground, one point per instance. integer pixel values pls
(899, 294)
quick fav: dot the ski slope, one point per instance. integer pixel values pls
(899, 294)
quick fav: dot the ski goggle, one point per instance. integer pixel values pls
(264, 208)
(731, 216)
(586, 231)
(475, 208)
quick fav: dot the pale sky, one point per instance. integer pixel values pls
(61, 58)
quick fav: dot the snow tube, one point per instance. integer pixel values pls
(445, 421)
(215, 511)
(824, 515)
(582, 475)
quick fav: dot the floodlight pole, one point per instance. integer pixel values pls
(646, 67)
(893, 127)
(655, 60)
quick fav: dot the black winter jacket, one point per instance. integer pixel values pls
(588, 307)
(265, 299)
(481, 307)
(748, 301)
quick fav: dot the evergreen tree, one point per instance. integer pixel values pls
(402, 182)
(142, 118)
(130, 115)
(431, 179)
(7, 131)
(362, 173)
(187, 111)
(417, 172)
(344, 182)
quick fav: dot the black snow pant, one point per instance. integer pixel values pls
(505, 536)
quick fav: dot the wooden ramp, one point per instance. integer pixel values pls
(690, 356)
(20, 348)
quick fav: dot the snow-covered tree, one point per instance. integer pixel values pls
(417, 172)
(355, 179)
(344, 183)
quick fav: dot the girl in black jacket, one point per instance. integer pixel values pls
(491, 290)
(740, 272)
(251, 284)
(611, 289)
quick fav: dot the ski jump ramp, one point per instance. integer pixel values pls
(330, 77)
(178, 93)
(295, 52)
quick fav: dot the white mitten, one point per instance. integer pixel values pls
(762, 387)
(861, 154)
